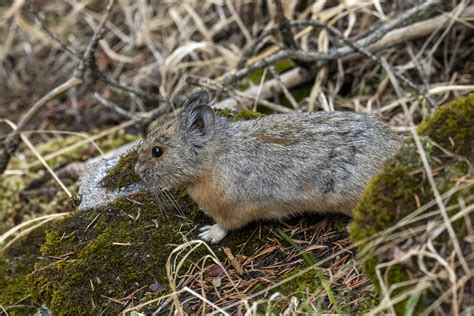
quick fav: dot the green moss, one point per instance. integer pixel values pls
(20, 259)
(244, 115)
(123, 173)
(81, 153)
(280, 67)
(117, 250)
(15, 264)
(107, 259)
(450, 128)
(225, 112)
(16, 207)
(370, 301)
(9, 199)
(402, 188)
(302, 285)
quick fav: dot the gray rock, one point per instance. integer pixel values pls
(91, 193)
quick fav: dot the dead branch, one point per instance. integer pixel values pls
(215, 85)
(133, 90)
(116, 108)
(285, 91)
(333, 54)
(96, 73)
(284, 27)
(298, 75)
(142, 119)
(12, 141)
(66, 46)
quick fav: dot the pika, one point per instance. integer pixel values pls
(272, 167)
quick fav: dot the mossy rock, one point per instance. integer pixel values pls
(123, 173)
(15, 264)
(92, 261)
(20, 258)
(402, 188)
(118, 249)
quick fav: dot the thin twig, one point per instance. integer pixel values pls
(143, 119)
(97, 74)
(88, 60)
(133, 90)
(116, 108)
(286, 92)
(284, 27)
(394, 37)
(40, 158)
(44, 26)
(248, 52)
(215, 85)
(11, 142)
(10, 145)
(377, 59)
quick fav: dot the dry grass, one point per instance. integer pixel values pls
(153, 46)
(253, 284)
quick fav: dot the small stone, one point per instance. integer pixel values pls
(155, 287)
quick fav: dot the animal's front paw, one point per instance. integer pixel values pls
(212, 234)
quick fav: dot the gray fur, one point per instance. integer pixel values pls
(271, 167)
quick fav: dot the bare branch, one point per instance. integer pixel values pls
(133, 90)
(117, 109)
(334, 53)
(88, 59)
(284, 27)
(10, 144)
(215, 85)
(65, 46)
(286, 92)
(143, 119)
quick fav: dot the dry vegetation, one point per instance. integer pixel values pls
(95, 69)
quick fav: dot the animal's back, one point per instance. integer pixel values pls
(285, 163)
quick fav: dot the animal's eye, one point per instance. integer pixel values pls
(156, 152)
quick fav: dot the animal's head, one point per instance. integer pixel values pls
(173, 154)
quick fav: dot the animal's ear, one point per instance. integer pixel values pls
(200, 97)
(198, 124)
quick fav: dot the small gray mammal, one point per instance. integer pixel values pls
(269, 168)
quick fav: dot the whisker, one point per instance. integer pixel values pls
(163, 196)
(158, 197)
(175, 203)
